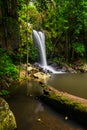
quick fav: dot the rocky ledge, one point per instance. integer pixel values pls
(7, 119)
(33, 73)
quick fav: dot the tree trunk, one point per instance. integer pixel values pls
(66, 47)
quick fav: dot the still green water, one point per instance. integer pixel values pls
(75, 84)
(32, 114)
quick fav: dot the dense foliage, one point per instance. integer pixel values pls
(66, 23)
(7, 68)
(28, 17)
(63, 22)
(8, 73)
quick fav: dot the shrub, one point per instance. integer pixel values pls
(7, 68)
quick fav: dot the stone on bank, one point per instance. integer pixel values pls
(7, 119)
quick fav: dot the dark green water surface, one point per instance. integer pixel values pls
(75, 84)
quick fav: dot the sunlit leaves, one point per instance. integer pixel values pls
(42, 4)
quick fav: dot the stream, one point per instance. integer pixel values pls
(32, 114)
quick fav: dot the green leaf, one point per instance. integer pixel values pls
(4, 92)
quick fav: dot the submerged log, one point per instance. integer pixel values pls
(71, 106)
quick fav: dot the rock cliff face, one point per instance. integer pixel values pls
(7, 119)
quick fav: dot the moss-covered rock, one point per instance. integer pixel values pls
(83, 68)
(7, 119)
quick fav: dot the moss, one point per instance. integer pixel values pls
(8, 123)
(69, 102)
(7, 119)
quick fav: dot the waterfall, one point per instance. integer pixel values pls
(39, 40)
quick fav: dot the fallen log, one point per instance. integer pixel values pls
(71, 106)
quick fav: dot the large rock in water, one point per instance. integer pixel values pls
(41, 75)
(7, 119)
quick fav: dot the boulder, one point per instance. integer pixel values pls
(7, 119)
(69, 69)
(83, 68)
(29, 68)
(41, 75)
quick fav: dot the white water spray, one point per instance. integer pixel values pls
(39, 39)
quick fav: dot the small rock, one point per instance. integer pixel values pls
(39, 119)
(66, 118)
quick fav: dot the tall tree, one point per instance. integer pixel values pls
(9, 24)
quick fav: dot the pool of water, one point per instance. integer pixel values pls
(75, 84)
(32, 114)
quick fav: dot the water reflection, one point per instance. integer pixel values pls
(33, 88)
(39, 107)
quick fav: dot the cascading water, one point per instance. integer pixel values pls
(39, 40)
